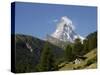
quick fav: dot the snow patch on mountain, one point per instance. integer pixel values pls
(29, 47)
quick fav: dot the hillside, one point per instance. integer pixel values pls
(35, 55)
(89, 63)
(28, 52)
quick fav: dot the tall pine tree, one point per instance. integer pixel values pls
(68, 53)
(78, 47)
(47, 61)
(85, 46)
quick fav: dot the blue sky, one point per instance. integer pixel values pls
(41, 19)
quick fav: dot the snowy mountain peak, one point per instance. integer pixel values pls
(66, 20)
(65, 30)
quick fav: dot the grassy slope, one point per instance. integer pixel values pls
(89, 63)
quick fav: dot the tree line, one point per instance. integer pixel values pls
(79, 48)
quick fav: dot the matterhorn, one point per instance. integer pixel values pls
(64, 32)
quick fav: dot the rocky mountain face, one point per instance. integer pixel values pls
(64, 32)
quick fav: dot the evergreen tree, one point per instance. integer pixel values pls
(92, 41)
(47, 62)
(68, 53)
(78, 47)
(85, 46)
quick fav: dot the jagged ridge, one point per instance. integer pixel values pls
(65, 31)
